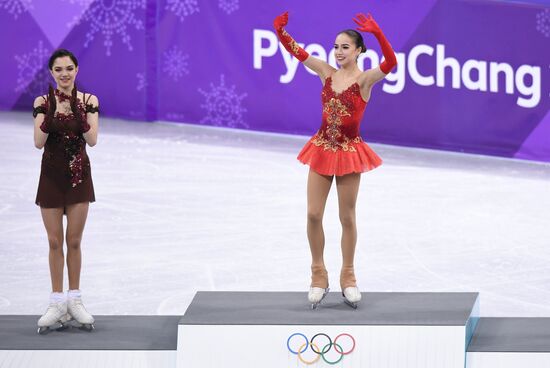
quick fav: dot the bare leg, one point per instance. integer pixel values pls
(348, 188)
(76, 219)
(53, 222)
(318, 187)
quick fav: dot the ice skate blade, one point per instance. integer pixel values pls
(43, 330)
(63, 327)
(87, 327)
(351, 304)
(59, 326)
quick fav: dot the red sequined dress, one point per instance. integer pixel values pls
(65, 175)
(337, 148)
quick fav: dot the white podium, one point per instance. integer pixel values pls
(275, 330)
(117, 341)
(510, 343)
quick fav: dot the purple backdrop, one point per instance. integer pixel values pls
(472, 76)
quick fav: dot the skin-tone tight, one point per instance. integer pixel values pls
(318, 187)
(53, 222)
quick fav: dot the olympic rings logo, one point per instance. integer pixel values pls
(319, 353)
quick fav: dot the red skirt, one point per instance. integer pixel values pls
(355, 157)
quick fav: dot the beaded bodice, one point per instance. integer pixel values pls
(65, 134)
(342, 114)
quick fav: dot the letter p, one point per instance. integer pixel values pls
(259, 50)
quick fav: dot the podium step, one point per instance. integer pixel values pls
(117, 341)
(388, 330)
(510, 342)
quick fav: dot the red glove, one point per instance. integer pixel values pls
(368, 24)
(288, 42)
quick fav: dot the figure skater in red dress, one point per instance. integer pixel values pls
(337, 149)
(65, 120)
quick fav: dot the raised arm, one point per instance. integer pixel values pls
(368, 24)
(320, 67)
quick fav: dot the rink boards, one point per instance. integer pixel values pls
(252, 329)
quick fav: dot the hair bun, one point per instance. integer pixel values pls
(356, 37)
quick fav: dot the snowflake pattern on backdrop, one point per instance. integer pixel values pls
(83, 3)
(141, 81)
(175, 63)
(110, 18)
(543, 22)
(182, 8)
(16, 7)
(33, 74)
(223, 106)
(228, 6)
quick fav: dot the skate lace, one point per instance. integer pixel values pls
(78, 307)
(53, 307)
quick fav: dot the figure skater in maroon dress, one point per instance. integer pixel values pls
(65, 120)
(337, 149)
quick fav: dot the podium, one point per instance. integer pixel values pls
(278, 329)
(510, 343)
(275, 329)
(117, 341)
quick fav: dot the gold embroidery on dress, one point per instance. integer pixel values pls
(335, 110)
(345, 146)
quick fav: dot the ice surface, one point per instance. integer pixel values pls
(182, 208)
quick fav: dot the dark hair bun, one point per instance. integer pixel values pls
(356, 37)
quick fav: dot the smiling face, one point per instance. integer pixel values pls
(345, 50)
(64, 72)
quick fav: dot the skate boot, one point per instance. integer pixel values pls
(55, 318)
(319, 286)
(350, 291)
(79, 314)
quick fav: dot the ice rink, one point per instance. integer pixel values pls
(182, 208)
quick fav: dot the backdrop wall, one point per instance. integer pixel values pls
(472, 76)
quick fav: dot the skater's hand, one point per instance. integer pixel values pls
(52, 104)
(281, 21)
(366, 23)
(74, 103)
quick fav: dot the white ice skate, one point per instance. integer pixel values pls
(79, 314)
(316, 295)
(55, 318)
(352, 296)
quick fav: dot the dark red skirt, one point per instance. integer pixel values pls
(54, 187)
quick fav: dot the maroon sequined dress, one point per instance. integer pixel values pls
(65, 175)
